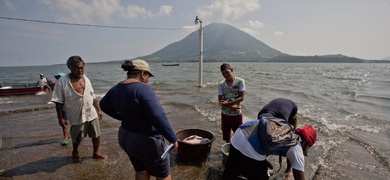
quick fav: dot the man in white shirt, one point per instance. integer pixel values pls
(75, 94)
(42, 81)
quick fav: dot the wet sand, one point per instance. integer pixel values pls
(31, 148)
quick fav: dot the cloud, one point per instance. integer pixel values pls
(9, 5)
(83, 12)
(165, 10)
(250, 31)
(279, 33)
(257, 25)
(228, 10)
(189, 29)
(253, 27)
(135, 11)
(77, 11)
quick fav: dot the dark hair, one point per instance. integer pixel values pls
(225, 66)
(128, 66)
(74, 60)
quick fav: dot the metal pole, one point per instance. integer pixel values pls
(200, 54)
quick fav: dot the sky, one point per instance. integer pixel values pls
(47, 32)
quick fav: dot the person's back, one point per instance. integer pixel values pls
(250, 144)
(145, 126)
(131, 100)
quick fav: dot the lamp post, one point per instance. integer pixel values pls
(199, 21)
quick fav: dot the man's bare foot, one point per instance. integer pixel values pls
(75, 156)
(99, 156)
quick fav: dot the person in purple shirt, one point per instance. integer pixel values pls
(144, 125)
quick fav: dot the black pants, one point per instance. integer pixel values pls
(238, 166)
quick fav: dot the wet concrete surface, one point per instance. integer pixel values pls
(31, 147)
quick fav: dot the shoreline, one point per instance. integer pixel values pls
(31, 148)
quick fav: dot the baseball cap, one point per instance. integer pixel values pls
(41, 74)
(309, 133)
(141, 65)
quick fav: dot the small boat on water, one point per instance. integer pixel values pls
(7, 89)
(171, 64)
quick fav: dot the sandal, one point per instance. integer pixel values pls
(64, 142)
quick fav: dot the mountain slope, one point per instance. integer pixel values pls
(221, 42)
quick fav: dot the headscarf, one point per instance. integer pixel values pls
(279, 108)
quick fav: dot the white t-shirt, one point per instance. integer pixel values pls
(231, 93)
(78, 107)
(42, 82)
(294, 153)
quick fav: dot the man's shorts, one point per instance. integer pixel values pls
(90, 128)
(228, 124)
(64, 115)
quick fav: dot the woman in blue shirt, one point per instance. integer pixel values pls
(144, 125)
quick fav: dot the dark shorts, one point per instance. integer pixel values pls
(240, 165)
(145, 152)
(64, 115)
(228, 124)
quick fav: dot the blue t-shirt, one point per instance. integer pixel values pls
(137, 107)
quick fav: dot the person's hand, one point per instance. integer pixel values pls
(288, 175)
(175, 146)
(100, 114)
(223, 102)
(235, 107)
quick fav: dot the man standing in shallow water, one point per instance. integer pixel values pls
(231, 92)
(75, 94)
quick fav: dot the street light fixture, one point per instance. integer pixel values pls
(199, 21)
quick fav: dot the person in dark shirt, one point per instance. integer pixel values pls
(144, 125)
(249, 145)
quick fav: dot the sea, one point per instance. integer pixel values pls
(347, 103)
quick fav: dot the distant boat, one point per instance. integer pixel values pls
(18, 88)
(170, 64)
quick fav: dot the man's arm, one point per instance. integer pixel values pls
(298, 175)
(288, 173)
(232, 104)
(96, 105)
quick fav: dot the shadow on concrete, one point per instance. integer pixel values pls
(48, 165)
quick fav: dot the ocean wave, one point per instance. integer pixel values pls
(375, 154)
(373, 98)
(100, 95)
(349, 93)
(286, 91)
(344, 78)
(5, 101)
(212, 116)
(26, 110)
